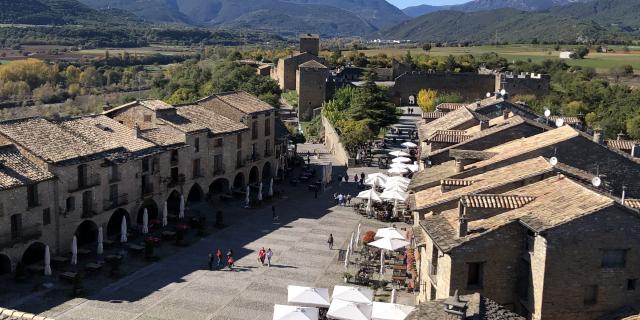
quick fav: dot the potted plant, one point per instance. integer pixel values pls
(347, 277)
(368, 236)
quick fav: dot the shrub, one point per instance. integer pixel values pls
(368, 237)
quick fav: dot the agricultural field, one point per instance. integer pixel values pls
(153, 49)
(602, 62)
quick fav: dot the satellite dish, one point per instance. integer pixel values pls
(559, 122)
(547, 112)
(503, 92)
(596, 182)
(553, 161)
(488, 94)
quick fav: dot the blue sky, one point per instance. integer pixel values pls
(407, 3)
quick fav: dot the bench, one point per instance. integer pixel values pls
(59, 260)
(168, 234)
(69, 276)
(136, 248)
(92, 266)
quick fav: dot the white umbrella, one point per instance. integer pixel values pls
(398, 170)
(358, 235)
(375, 180)
(413, 167)
(347, 310)
(47, 261)
(123, 230)
(394, 195)
(390, 311)
(260, 192)
(353, 294)
(145, 221)
(393, 295)
(307, 296)
(396, 179)
(390, 233)
(396, 187)
(399, 165)
(346, 258)
(401, 159)
(381, 263)
(284, 312)
(389, 244)
(100, 243)
(181, 213)
(271, 188)
(165, 215)
(399, 154)
(409, 144)
(74, 250)
(369, 195)
(247, 200)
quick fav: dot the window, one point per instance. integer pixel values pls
(16, 226)
(239, 159)
(631, 284)
(174, 157)
(196, 168)
(32, 195)
(145, 165)
(115, 176)
(217, 163)
(590, 295)
(147, 118)
(616, 258)
(217, 143)
(71, 204)
(267, 127)
(196, 145)
(82, 175)
(155, 165)
(254, 130)
(267, 148)
(87, 203)
(46, 216)
(474, 278)
(254, 151)
(239, 145)
(113, 192)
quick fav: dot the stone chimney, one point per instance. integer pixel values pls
(598, 136)
(635, 150)
(505, 114)
(459, 165)
(462, 221)
(484, 125)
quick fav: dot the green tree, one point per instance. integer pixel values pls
(354, 134)
(633, 127)
(426, 47)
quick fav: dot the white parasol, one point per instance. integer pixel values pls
(397, 179)
(398, 170)
(413, 167)
(401, 159)
(369, 194)
(284, 312)
(100, 249)
(409, 144)
(181, 213)
(389, 244)
(390, 311)
(399, 165)
(74, 250)
(353, 294)
(308, 296)
(47, 261)
(260, 191)
(390, 233)
(145, 221)
(394, 195)
(399, 154)
(165, 215)
(347, 310)
(271, 188)
(123, 230)
(376, 179)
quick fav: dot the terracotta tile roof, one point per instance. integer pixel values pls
(471, 154)
(156, 104)
(312, 64)
(431, 175)
(567, 120)
(163, 135)
(449, 121)
(207, 118)
(483, 182)
(496, 201)
(449, 136)
(633, 203)
(625, 145)
(556, 201)
(450, 106)
(17, 171)
(241, 101)
(77, 139)
(433, 115)
(526, 145)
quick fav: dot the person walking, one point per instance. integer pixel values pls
(230, 263)
(210, 261)
(274, 216)
(355, 178)
(349, 199)
(269, 255)
(362, 178)
(219, 256)
(330, 241)
(261, 255)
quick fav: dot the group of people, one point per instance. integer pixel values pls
(265, 255)
(342, 200)
(222, 261)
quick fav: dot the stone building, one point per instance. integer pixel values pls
(71, 176)
(310, 43)
(523, 84)
(286, 70)
(543, 248)
(311, 85)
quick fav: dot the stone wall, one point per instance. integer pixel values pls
(524, 84)
(471, 86)
(333, 144)
(311, 85)
(287, 68)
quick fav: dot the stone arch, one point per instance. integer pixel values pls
(86, 233)
(195, 194)
(219, 186)
(5, 264)
(33, 254)
(152, 210)
(173, 202)
(115, 222)
(238, 181)
(266, 171)
(254, 175)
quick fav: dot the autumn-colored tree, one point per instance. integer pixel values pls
(427, 99)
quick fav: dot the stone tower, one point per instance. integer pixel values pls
(310, 43)
(311, 84)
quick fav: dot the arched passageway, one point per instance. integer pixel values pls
(87, 232)
(5, 264)
(254, 175)
(115, 222)
(219, 186)
(33, 254)
(152, 211)
(238, 181)
(195, 194)
(266, 171)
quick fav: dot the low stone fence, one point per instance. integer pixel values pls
(333, 144)
(17, 315)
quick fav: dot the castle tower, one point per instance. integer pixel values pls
(310, 43)
(311, 85)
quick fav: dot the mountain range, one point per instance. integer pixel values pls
(593, 20)
(481, 5)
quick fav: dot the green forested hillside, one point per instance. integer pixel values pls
(609, 20)
(58, 12)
